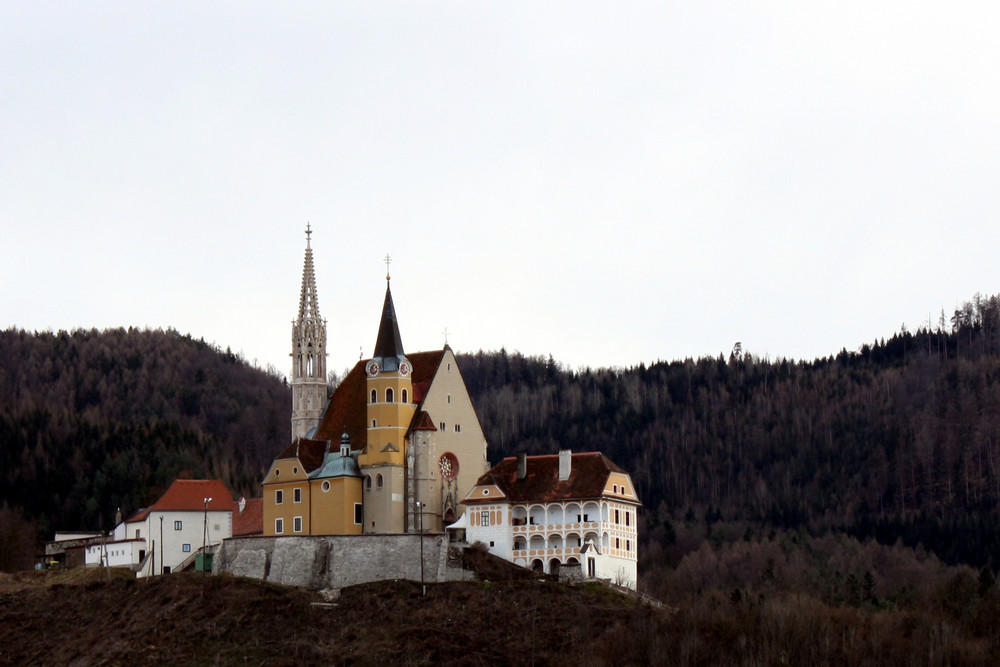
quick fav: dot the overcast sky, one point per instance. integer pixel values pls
(609, 183)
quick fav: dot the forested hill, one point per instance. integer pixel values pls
(900, 439)
(94, 420)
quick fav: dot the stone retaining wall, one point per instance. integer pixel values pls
(334, 561)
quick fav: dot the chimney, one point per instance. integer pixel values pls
(565, 464)
(522, 466)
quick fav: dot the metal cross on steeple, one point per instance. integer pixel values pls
(445, 332)
(308, 232)
(388, 261)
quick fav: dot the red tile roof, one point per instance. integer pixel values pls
(588, 477)
(251, 520)
(190, 494)
(422, 422)
(138, 516)
(348, 407)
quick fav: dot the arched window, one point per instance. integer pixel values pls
(374, 396)
(368, 482)
(388, 395)
(405, 396)
(378, 480)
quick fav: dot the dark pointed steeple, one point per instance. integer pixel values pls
(389, 343)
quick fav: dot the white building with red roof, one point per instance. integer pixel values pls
(190, 513)
(553, 511)
(168, 534)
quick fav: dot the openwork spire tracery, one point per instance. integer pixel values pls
(308, 354)
(309, 300)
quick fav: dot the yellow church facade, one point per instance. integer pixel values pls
(410, 442)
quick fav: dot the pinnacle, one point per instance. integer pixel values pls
(309, 299)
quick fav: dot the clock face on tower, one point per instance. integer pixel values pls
(373, 368)
(404, 369)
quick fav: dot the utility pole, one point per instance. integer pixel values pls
(420, 515)
(204, 544)
(104, 551)
(161, 543)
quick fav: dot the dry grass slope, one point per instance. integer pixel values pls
(169, 620)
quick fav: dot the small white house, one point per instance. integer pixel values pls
(191, 513)
(132, 528)
(552, 511)
(116, 553)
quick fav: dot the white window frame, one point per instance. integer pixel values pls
(279, 526)
(297, 524)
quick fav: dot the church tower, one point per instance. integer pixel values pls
(390, 410)
(308, 355)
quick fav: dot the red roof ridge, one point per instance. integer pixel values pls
(190, 494)
(588, 477)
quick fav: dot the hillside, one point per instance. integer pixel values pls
(95, 420)
(182, 619)
(899, 440)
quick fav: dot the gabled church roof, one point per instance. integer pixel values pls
(348, 407)
(309, 452)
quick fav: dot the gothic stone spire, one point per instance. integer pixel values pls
(308, 354)
(309, 300)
